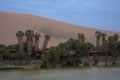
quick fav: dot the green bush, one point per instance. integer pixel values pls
(86, 64)
(114, 63)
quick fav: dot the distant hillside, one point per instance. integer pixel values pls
(10, 23)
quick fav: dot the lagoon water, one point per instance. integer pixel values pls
(63, 74)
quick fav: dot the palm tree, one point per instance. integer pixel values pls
(86, 48)
(113, 41)
(36, 36)
(104, 44)
(63, 50)
(118, 47)
(105, 48)
(47, 38)
(98, 36)
(20, 36)
(55, 55)
(103, 38)
(29, 41)
(81, 37)
(116, 37)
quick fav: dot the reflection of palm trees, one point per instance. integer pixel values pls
(47, 38)
(20, 35)
(29, 40)
(36, 36)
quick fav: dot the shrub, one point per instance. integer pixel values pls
(86, 64)
(114, 63)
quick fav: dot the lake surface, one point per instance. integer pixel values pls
(63, 74)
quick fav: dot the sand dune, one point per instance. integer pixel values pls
(10, 23)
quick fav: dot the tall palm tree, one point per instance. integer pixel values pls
(103, 35)
(20, 36)
(29, 40)
(46, 40)
(105, 48)
(118, 46)
(113, 41)
(81, 37)
(98, 36)
(36, 36)
(116, 37)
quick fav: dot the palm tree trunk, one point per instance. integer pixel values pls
(36, 44)
(44, 44)
(29, 47)
(21, 46)
(29, 41)
(20, 40)
(98, 44)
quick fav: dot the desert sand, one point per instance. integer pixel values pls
(10, 23)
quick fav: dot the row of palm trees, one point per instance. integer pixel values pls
(109, 44)
(71, 51)
(30, 38)
(110, 39)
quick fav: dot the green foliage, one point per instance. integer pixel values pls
(96, 57)
(114, 63)
(6, 53)
(29, 32)
(113, 45)
(20, 56)
(114, 52)
(45, 58)
(47, 55)
(118, 47)
(98, 34)
(2, 47)
(25, 47)
(86, 64)
(20, 33)
(71, 51)
(13, 47)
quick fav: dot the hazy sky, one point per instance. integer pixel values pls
(101, 14)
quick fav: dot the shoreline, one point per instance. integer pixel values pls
(29, 68)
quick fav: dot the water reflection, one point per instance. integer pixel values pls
(63, 74)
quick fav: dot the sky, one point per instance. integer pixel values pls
(100, 14)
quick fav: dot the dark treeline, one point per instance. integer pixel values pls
(73, 52)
